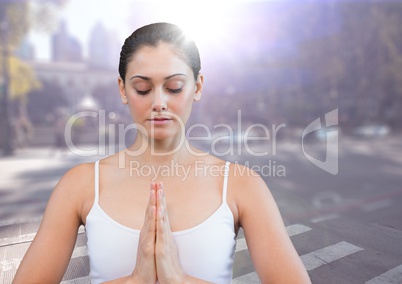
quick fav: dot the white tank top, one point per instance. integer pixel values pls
(206, 251)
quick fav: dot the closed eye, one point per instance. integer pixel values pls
(143, 92)
(175, 91)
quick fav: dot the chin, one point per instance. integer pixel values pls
(162, 134)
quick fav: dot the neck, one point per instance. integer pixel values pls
(158, 151)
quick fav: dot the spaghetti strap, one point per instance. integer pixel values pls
(225, 181)
(96, 182)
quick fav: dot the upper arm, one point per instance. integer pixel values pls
(270, 247)
(49, 254)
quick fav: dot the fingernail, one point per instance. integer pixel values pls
(161, 187)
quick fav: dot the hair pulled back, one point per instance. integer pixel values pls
(154, 34)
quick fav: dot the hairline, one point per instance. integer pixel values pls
(158, 43)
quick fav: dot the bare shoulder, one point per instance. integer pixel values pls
(78, 178)
(249, 190)
(76, 187)
(246, 181)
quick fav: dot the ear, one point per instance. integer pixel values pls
(122, 91)
(198, 87)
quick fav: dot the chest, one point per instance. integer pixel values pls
(205, 251)
(189, 202)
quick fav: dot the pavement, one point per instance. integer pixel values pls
(328, 259)
(346, 228)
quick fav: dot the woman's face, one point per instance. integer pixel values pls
(159, 90)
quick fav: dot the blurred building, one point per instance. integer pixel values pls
(65, 47)
(103, 48)
(74, 78)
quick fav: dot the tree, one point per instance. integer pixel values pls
(22, 79)
(16, 18)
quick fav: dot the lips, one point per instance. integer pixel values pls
(160, 118)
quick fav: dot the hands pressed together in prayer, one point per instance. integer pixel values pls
(157, 257)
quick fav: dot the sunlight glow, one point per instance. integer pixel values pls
(203, 22)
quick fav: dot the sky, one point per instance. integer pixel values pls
(81, 17)
(201, 18)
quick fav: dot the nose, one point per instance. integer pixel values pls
(160, 102)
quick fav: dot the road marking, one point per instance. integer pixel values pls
(13, 264)
(17, 240)
(292, 230)
(241, 244)
(27, 238)
(250, 278)
(297, 229)
(393, 276)
(79, 252)
(325, 218)
(20, 221)
(9, 265)
(328, 254)
(81, 280)
(376, 205)
(326, 198)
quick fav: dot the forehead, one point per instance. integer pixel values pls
(155, 61)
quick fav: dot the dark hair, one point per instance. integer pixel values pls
(152, 35)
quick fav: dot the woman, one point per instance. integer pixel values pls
(176, 229)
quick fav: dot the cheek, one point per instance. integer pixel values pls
(183, 105)
(137, 105)
(185, 108)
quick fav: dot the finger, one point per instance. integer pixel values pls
(158, 188)
(152, 198)
(160, 226)
(153, 206)
(149, 225)
(161, 200)
(151, 202)
(152, 213)
(163, 225)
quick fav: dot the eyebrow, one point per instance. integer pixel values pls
(166, 78)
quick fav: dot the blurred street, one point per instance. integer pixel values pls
(323, 75)
(346, 227)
